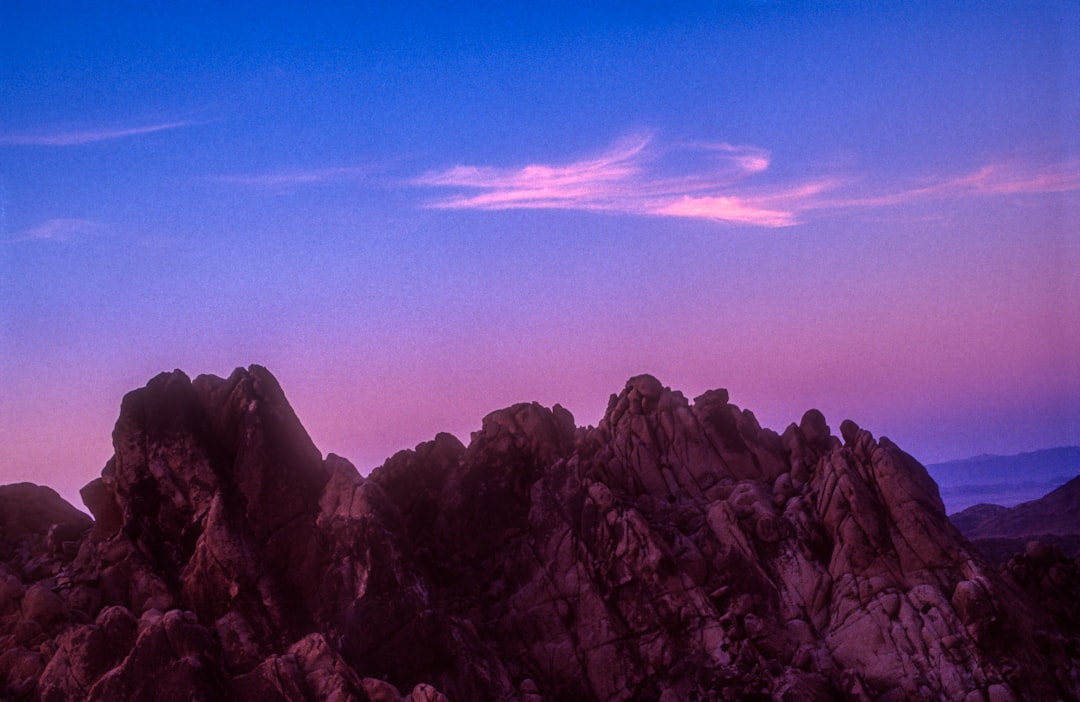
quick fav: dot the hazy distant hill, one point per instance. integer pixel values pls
(1057, 513)
(1001, 531)
(1004, 480)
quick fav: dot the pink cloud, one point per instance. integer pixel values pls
(77, 138)
(749, 159)
(712, 181)
(726, 209)
(592, 184)
(625, 179)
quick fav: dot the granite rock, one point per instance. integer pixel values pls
(676, 551)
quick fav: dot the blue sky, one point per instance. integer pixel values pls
(415, 215)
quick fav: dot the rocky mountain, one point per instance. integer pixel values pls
(1002, 531)
(676, 551)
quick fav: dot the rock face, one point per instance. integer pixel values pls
(677, 551)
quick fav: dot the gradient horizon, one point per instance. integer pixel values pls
(416, 216)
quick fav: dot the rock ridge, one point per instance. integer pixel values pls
(676, 551)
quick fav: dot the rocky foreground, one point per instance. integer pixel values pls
(677, 551)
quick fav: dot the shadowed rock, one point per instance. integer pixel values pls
(677, 551)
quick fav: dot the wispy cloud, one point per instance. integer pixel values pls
(592, 184)
(715, 181)
(60, 229)
(629, 178)
(727, 209)
(78, 137)
(1005, 178)
(285, 179)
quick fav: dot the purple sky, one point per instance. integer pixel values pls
(416, 215)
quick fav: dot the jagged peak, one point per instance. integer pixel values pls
(546, 433)
(643, 395)
(540, 560)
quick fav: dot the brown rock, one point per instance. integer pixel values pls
(425, 693)
(380, 690)
(40, 604)
(31, 510)
(675, 551)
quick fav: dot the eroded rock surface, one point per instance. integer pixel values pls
(677, 551)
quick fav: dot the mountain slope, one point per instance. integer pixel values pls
(1002, 531)
(1056, 514)
(677, 551)
(1004, 480)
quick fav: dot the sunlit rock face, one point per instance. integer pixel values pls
(677, 551)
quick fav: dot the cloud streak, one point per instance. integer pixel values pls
(290, 178)
(628, 178)
(719, 182)
(592, 184)
(998, 179)
(90, 136)
(60, 229)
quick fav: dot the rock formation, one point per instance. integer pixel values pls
(677, 551)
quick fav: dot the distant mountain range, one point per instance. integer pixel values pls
(1000, 532)
(1004, 480)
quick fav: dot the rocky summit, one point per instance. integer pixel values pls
(676, 551)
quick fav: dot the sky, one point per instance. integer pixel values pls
(414, 215)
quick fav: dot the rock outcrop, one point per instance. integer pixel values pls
(676, 551)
